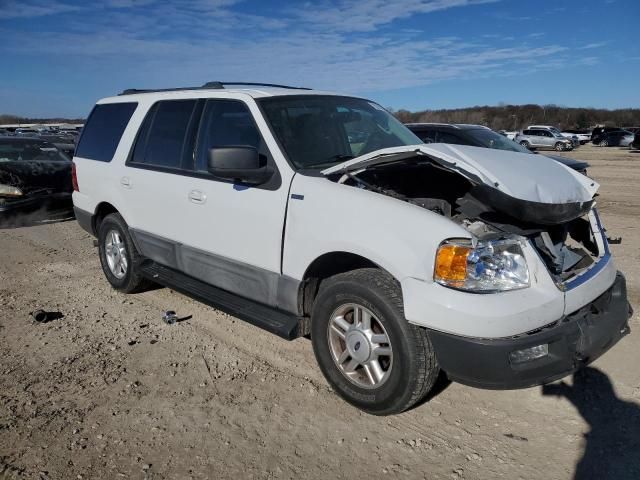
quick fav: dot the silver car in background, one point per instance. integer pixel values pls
(539, 138)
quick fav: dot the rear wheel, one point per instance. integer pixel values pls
(604, 143)
(525, 144)
(119, 257)
(365, 347)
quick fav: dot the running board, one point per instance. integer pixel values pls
(283, 324)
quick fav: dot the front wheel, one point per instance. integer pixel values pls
(366, 349)
(559, 147)
(604, 143)
(524, 144)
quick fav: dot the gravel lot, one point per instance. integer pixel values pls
(109, 391)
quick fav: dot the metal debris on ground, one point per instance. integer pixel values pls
(169, 317)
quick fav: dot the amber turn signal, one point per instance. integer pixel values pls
(451, 263)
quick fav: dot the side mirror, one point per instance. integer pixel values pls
(238, 164)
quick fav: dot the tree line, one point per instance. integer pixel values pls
(501, 117)
(516, 117)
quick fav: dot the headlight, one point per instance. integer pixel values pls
(9, 191)
(489, 266)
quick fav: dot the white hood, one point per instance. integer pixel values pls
(534, 178)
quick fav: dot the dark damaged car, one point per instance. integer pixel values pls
(35, 182)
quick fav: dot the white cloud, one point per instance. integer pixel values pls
(346, 47)
(367, 15)
(33, 8)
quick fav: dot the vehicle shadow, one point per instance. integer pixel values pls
(612, 446)
(33, 220)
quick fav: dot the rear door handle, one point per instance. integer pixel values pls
(125, 182)
(196, 196)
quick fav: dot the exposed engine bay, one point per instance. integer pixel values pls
(562, 234)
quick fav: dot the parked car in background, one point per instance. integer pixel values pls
(35, 182)
(3, 132)
(25, 132)
(615, 138)
(584, 136)
(636, 141)
(479, 136)
(597, 131)
(543, 139)
(556, 131)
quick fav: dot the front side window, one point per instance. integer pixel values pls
(317, 131)
(165, 139)
(226, 123)
(103, 130)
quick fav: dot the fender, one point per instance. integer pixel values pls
(325, 217)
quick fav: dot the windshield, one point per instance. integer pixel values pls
(490, 139)
(320, 131)
(16, 151)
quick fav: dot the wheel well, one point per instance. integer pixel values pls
(324, 267)
(102, 210)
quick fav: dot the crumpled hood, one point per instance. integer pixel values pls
(533, 178)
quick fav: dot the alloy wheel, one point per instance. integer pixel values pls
(116, 254)
(360, 345)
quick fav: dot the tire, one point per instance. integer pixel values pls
(410, 370)
(524, 144)
(129, 279)
(559, 146)
(603, 143)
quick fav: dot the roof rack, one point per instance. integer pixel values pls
(209, 86)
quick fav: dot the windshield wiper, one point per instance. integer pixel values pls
(332, 160)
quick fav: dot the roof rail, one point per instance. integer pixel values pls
(208, 86)
(250, 84)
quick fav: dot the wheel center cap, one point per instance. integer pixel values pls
(358, 346)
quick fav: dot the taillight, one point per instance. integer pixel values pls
(74, 178)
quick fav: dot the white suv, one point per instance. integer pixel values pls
(315, 214)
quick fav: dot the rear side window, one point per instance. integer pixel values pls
(103, 130)
(446, 137)
(427, 136)
(165, 138)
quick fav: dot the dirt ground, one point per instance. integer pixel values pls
(109, 391)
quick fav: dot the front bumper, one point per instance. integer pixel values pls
(573, 341)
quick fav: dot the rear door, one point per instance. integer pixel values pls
(156, 180)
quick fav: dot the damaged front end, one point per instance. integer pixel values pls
(498, 197)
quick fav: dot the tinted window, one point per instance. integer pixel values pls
(528, 132)
(164, 139)
(103, 130)
(226, 123)
(427, 136)
(490, 139)
(25, 151)
(446, 137)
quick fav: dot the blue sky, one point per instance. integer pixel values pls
(59, 56)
